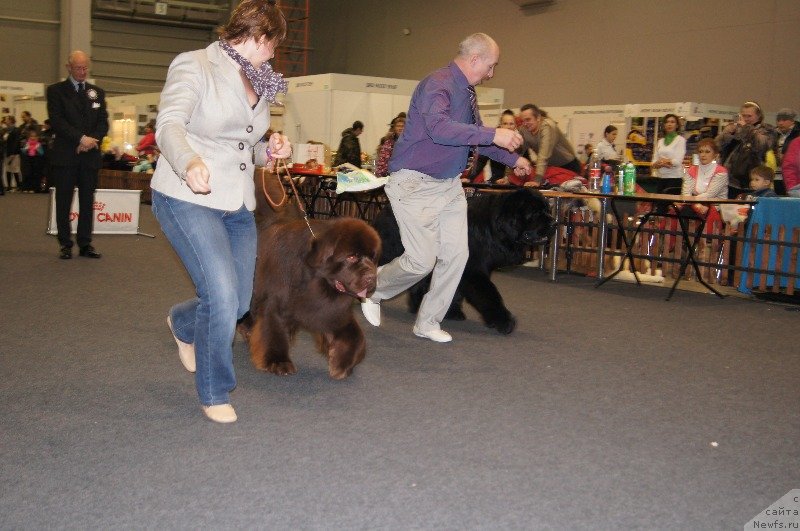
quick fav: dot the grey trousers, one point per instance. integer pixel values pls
(432, 215)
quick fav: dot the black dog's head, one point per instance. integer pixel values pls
(523, 216)
(344, 254)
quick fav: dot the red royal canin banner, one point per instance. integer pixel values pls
(115, 212)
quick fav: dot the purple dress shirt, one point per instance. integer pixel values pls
(440, 130)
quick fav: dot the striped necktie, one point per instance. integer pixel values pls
(472, 160)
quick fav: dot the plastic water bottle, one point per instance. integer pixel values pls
(629, 179)
(620, 177)
(594, 173)
(607, 184)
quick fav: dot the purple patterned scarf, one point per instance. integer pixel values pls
(265, 81)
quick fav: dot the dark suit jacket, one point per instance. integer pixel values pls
(73, 115)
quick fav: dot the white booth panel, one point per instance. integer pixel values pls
(305, 117)
(346, 108)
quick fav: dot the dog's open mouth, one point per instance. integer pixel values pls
(339, 285)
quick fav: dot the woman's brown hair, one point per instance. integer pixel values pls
(254, 18)
(708, 142)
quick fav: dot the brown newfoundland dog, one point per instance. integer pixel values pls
(308, 281)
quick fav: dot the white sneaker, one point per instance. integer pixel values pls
(438, 335)
(372, 312)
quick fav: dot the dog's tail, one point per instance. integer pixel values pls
(273, 202)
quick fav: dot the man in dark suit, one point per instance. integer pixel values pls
(79, 120)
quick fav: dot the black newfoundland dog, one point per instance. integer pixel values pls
(502, 228)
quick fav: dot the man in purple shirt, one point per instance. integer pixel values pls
(424, 187)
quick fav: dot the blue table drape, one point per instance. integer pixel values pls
(773, 211)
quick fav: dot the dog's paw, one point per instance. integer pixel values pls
(282, 368)
(244, 331)
(339, 373)
(504, 326)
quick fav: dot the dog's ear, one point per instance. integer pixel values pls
(322, 248)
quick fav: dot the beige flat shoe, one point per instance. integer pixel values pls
(185, 350)
(222, 413)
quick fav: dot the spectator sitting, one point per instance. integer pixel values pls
(146, 164)
(553, 176)
(707, 180)
(761, 178)
(147, 144)
(588, 151)
(498, 169)
(606, 149)
(116, 159)
(349, 147)
(544, 142)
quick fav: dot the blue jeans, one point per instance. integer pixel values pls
(218, 249)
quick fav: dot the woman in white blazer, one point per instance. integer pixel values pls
(213, 114)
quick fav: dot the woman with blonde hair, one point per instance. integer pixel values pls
(743, 143)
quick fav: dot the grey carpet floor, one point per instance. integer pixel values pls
(599, 412)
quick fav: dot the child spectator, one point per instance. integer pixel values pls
(761, 178)
(33, 155)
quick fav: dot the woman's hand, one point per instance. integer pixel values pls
(279, 146)
(197, 176)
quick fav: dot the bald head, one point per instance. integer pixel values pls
(477, 56)
(78, 65)
(477, 44)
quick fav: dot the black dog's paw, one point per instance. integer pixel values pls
(455, 314)
(505, 325)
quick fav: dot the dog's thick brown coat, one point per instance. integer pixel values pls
(311, 283)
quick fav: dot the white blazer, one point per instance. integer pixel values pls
(204, 112)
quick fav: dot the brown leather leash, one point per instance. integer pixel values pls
(283, 199)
